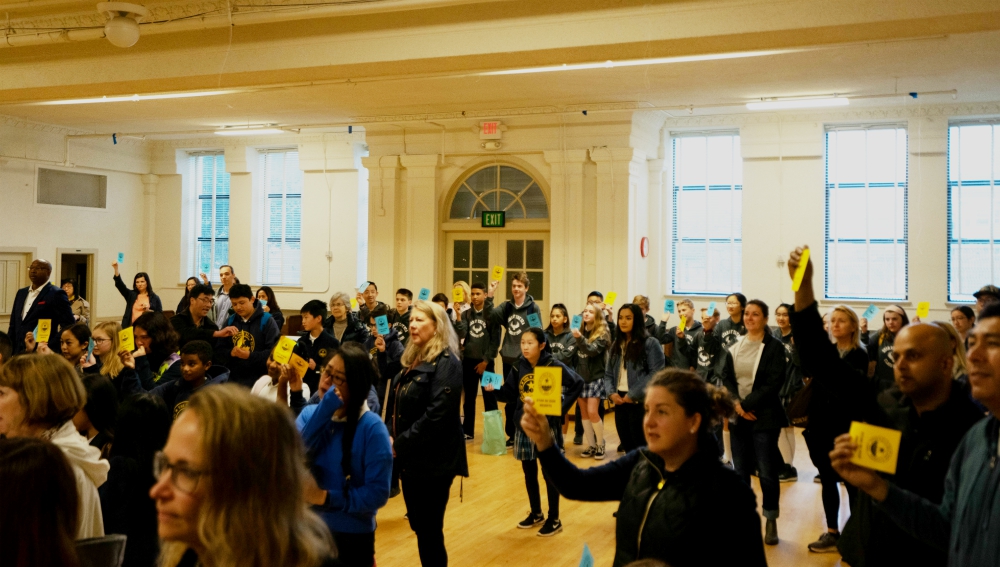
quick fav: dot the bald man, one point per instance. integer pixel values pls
(40, 300)
(931, 409)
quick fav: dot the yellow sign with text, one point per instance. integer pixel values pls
(610, 298)
(283, 350)
(547, 390)
(44, 330)
(126, 338)
(299, 364)
(878, 447)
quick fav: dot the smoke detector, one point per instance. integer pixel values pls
(122, 27)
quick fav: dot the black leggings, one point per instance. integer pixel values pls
(628, 422)
(819, 445)
(471, 383)
(530, 469)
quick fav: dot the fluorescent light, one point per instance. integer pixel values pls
(635, 62)
(249, 131)
(132, 98)
(798, 103)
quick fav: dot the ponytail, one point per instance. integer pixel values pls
(696, 396)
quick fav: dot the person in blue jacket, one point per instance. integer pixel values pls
(256, 334)
(518, 385)
(352, 458)
(633, 358)
(40, 300)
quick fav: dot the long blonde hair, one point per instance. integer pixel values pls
(853, 316)
(600, 328)
(961, 365)
(444, 336)
(251, 450)
(111, 365)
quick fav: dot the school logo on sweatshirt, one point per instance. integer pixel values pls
(477, 328)
(516, 325)
(887, 355)
(179, 408)
(527, 386)
(322, 353)
(704, 359)
(730, 337)
(243, 339)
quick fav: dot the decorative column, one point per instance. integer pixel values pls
(420, 244)
(566, 227)
(383, 226)
(621, 220)
(238, 166)
(149, 186)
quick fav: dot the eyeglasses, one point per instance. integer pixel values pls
(205, 298)
(101, 341)
(338, 380)
(181, 477)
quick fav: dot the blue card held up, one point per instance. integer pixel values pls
(669, 306)
(870, 312)
(577, 322)
(121, 257)
(382, 325)
(534, 320)
(492, 378)
(711, 309)
(425, 294)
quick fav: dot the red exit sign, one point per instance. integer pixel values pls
(489, 131)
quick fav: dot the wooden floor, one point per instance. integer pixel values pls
(481, 528)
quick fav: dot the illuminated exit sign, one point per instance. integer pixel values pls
(490, 131)
(494, 219)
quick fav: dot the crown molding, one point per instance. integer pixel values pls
(275, 141)
(502, 113)
(23, 124)
(857, 115)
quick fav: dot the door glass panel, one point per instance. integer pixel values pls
(480, 253)
(461, 254)
(534, 257)
(480, 277)
(536, 290)
(515, 254)
(460, 276)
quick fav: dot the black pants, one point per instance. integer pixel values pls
(426, 500)
(578, 424)
(628, 422)
(508, 409)
(530, 469)
(355, 550)
(471, 383)
(380, 388)
(820, 444)
(758, 449)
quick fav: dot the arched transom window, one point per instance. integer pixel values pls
(499, 188)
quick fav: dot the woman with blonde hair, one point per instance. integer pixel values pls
(226, 455)
(592, 340)
(39, 395)
(423, 415)
(845, 332)
(109, 364)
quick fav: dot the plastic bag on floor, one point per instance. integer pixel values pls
(494, 438)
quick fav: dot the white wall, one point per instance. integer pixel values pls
(42, 229)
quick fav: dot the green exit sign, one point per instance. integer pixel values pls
(494, 219)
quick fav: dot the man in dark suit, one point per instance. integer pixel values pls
(40, 300)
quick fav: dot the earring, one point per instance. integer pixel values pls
(693, 431)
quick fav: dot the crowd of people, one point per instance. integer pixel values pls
(214, 442)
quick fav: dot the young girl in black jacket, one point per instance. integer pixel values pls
(676, 497)
(518, 385)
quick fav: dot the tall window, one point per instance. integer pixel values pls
(973, 208)
(210, 242)
(280, 242)
(708, 214)
(866, 250)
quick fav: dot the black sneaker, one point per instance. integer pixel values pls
(394, 492)
(468, 437)
(551, 528)
(827, 543)
(510, 443)
(621, 449)
(788, 474)
(599, 453)
(771, 533)
(531, 521)
(817, 480)
(578, 440)
(588, 452)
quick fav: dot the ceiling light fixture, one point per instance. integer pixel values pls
(122, 27)
(131, 98)
(781, 104)
(652, 61)
(249, 131)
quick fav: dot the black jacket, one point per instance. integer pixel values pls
(185, 303)
(423, 415)
(563, 346)
(316, 350)
(259, 334)
(702, 514)
(355, 332)
(51, 303)
(128, 510)
(706, 353)
(591, 357)
(482, 335)
(763, 399)
(364, 314)
(679, 358)
(130, 296)
(401, 323)
(183, 323)
(388, 360)
(520, 383)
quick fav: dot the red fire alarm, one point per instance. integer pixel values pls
(644, 246)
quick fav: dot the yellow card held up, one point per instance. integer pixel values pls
(878, 447)
(683, 324)
(923, 310)
(497, 273)
(547, 390)
(458, 295)
(44, 330)
(126, 338)
(283, 350)
(610, 298)
(299, 364)
(800, 271)
(354, 303)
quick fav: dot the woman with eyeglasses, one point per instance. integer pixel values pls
(109, 364)
(342, 323)
(215, 491)
(351, 455)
